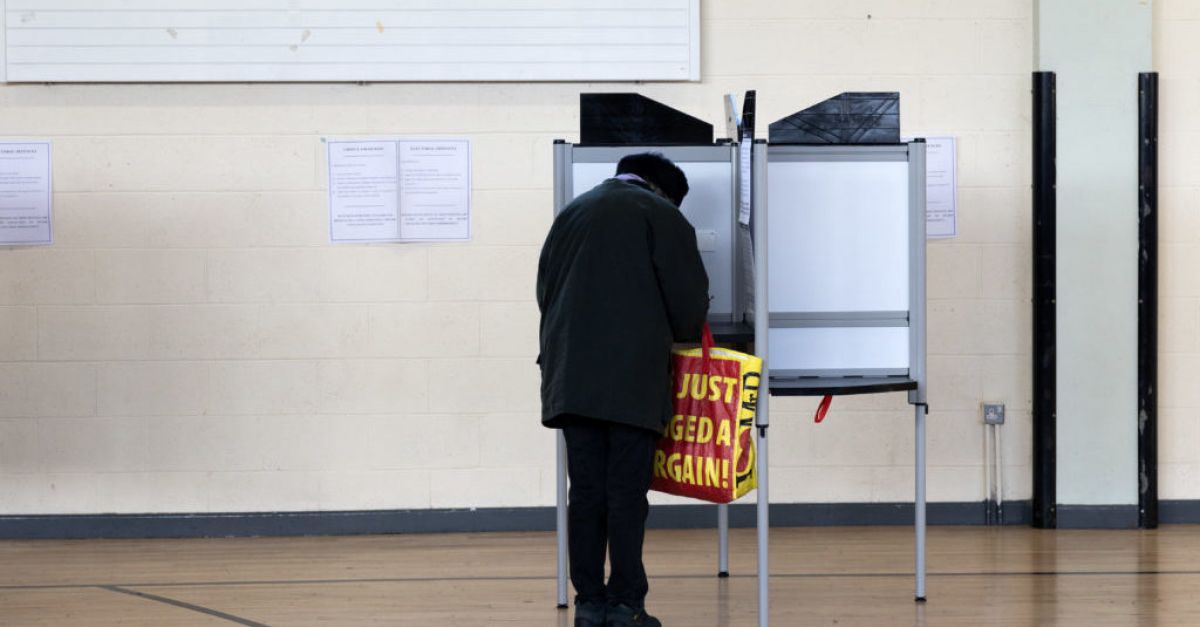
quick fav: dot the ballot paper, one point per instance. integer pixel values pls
(745, 179)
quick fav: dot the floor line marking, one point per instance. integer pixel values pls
(187, 606)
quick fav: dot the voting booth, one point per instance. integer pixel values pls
(823, 272)
(840, 232)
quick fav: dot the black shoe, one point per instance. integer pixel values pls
(624, 616)
(590, 614)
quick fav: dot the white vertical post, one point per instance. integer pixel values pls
(561, 517)
(917, 320)
(761, 330)
(919, 505)
(562, 195)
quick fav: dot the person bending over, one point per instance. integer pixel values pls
(619, 280)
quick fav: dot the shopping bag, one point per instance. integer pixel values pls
(707, 451)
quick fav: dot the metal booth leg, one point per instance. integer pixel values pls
(919, 503)
(764, 527)
(560, 524)
(723, 540)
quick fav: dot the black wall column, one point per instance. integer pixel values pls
(1148, 300)
(1044, 310)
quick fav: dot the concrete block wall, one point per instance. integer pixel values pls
(962, 69)
(192, 343)
(1176, 33)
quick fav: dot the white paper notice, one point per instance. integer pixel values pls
(435, 189)
(744, 179)
(941, 206)
(362, 191)
(399, 190)
(25, 193)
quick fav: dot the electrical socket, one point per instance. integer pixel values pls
(993, 413)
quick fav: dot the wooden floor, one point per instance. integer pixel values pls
(820, 576)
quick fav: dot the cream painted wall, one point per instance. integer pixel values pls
(192, 343)
(1176, 45)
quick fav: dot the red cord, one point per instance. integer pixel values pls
(823, 408)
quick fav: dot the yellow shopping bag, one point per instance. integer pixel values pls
(707, 451)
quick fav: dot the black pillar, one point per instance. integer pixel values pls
(1148, 300)
(1044, 310)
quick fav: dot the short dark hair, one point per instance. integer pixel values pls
(657, 170)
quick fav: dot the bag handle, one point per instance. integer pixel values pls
(706, 344)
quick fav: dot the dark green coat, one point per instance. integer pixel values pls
(619, 279)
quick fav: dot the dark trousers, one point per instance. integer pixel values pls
(610, 468)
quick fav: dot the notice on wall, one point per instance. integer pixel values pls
(941, 186)
(362, 191)
(399, 190)
(435, 190)
(25, 193)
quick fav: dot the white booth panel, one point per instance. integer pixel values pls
(839, 236)
(708, 206)
(838, 348)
